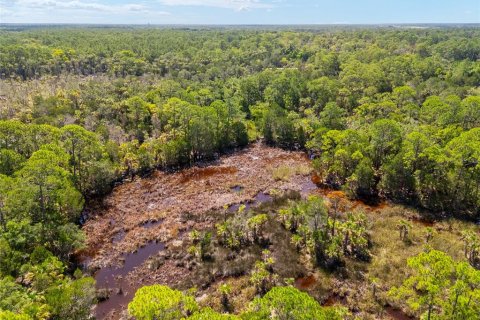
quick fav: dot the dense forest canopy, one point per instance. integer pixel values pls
(399, 103)
(385, 113)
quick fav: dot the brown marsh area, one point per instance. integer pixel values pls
(138, 235)
(140, 218)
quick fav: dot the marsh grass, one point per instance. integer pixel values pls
(362, 287)
(390, 254)
(285, 173)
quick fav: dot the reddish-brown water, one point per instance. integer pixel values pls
(316, 179)
(199, 173)
(305, 283)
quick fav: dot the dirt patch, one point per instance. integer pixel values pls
(128, 230)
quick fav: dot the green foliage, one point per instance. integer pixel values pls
(90, 168)
(7, 315)
(288, 303)
(385, 113)
(209, 314)
(10, 161)
(435, 168)
(263, 277)
(205, 242)
(201, 244)
(340, 152)
(47, 186)
(440, 287)
(385, 140)
(40, 203)
(161, 302)
(243, 229)
(225, 290)
(72, 299)
(44, 292)
(15, 298)
(332, 117)
(256, 224)
(362, 182)
(322, 235)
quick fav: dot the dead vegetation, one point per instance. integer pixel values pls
(152, 217)
(164, 206)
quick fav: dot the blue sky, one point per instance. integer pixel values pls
(240, 11)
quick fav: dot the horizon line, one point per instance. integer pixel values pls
(238, 24)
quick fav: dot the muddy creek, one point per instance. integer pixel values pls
(114, 279)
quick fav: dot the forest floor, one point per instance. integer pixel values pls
(138, 235)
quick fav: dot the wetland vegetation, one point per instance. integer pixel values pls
(239, 173)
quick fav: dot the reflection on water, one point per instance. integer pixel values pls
(151, 224)
(260, 198)
(237, 189)
(117, 279)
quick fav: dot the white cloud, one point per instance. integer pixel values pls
(239, 5)
(48, 4)
(135, 7)
(80, 5)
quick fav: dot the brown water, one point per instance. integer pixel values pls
(198, 173)
(116, 279)
(306, 282)
(316, 179)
